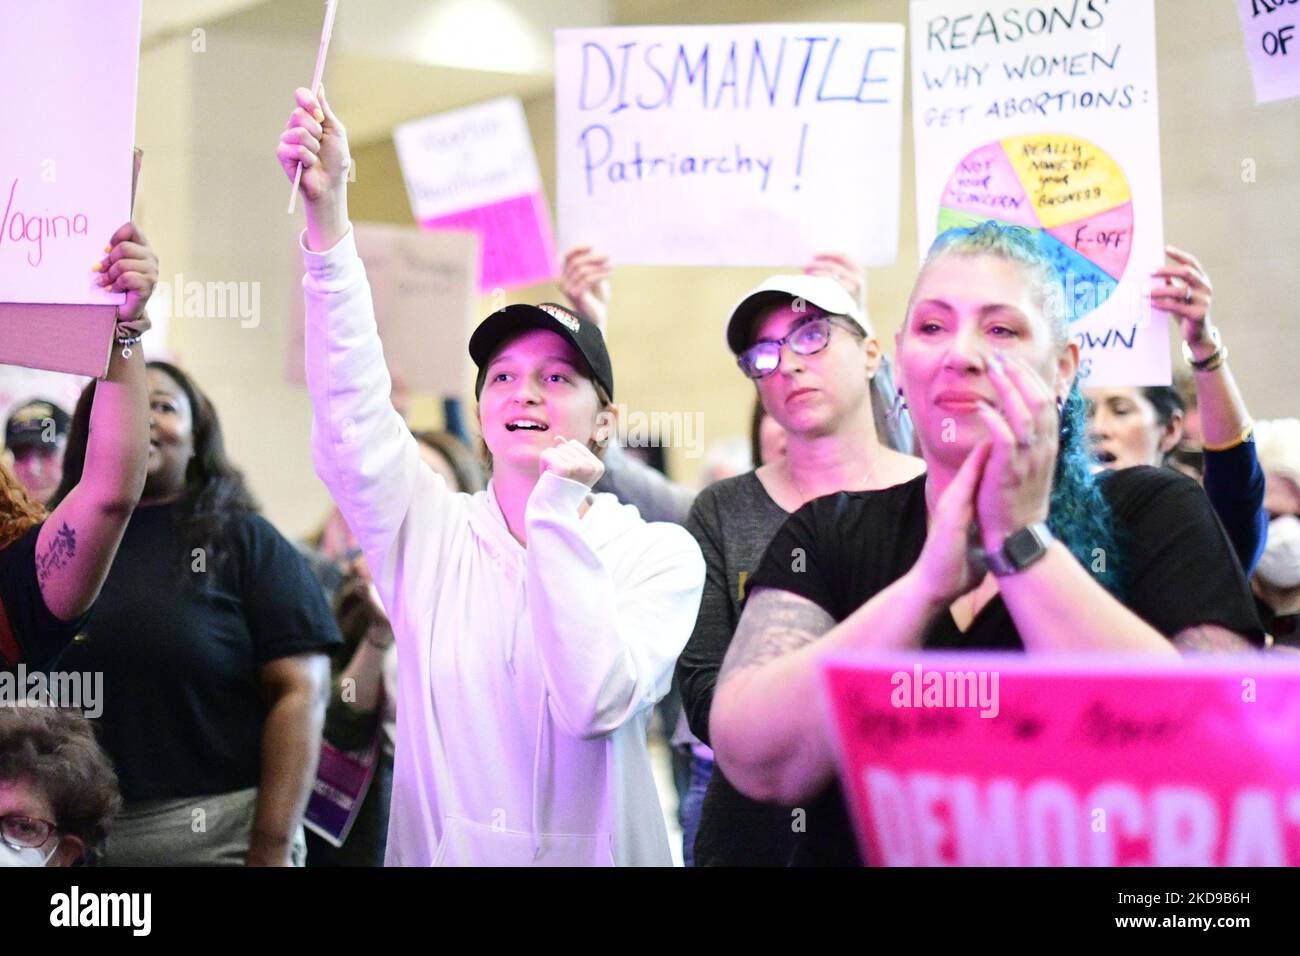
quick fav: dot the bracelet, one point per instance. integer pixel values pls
(1212, 362)
(1240, 439)
(126, 344)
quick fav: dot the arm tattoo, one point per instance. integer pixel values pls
(1211, 639)
(773, 624)
(58, 555)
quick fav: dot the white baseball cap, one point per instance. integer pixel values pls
(821, 292)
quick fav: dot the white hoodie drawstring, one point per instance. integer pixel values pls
(537, 777)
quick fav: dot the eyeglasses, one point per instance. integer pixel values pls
(807, 338)
(20, 832)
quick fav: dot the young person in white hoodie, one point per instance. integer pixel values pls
(537, 623)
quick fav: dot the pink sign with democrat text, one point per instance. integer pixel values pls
(1013, 760)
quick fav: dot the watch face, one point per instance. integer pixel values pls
(1022, 547)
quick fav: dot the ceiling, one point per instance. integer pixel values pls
(391, 61)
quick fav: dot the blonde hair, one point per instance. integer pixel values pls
(19, 513)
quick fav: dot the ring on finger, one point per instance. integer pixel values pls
(1187, 294)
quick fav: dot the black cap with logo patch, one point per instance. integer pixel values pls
(36, 423)
(505, 324)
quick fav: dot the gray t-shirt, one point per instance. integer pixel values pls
(734, 521)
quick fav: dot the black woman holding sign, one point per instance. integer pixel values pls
(52, 565)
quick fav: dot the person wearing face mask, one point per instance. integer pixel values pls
(58, 791)
(996, 546)
(212, 636)
(536, 622)
(1130, 426)
(1277, 576)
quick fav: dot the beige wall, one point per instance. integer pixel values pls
(209, 122)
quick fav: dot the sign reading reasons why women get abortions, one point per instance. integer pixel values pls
(67, 128)
(1044, 116)
(730, 145)
(424, 294)
(1019, 760)
(475, 169)
(1272, 29)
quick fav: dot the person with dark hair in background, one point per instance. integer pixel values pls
(996, 546)
(58, 792)
(53, 564)
(1143, 426)
(212, 636)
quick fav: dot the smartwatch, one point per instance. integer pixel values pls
(1020, 549)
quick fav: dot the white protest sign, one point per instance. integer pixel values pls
(67, 131)
(747, 144)
(422, 284)
(1046, 117)
(1272, 29)
(475, 169)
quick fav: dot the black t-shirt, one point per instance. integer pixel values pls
(179, 639)
(29, 631)
(1179, 570)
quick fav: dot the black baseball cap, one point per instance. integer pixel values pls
(508, 322)
(27, 426)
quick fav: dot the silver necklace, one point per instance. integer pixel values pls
(805, 498)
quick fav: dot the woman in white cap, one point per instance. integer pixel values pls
(536, 623)
(817, 368)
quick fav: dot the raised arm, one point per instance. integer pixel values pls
(1233, 479)
(361, 447)
(79, 540)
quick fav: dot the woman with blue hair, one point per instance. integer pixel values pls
(997, 546)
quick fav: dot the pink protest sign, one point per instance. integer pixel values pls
(65, 176)
(1012, 760)
(475, 169)
(1272, 29)
(516, 243)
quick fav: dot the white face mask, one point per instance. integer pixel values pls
(1280, 563)
(25, 856)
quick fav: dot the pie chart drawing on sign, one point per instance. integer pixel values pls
(1069, 192)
